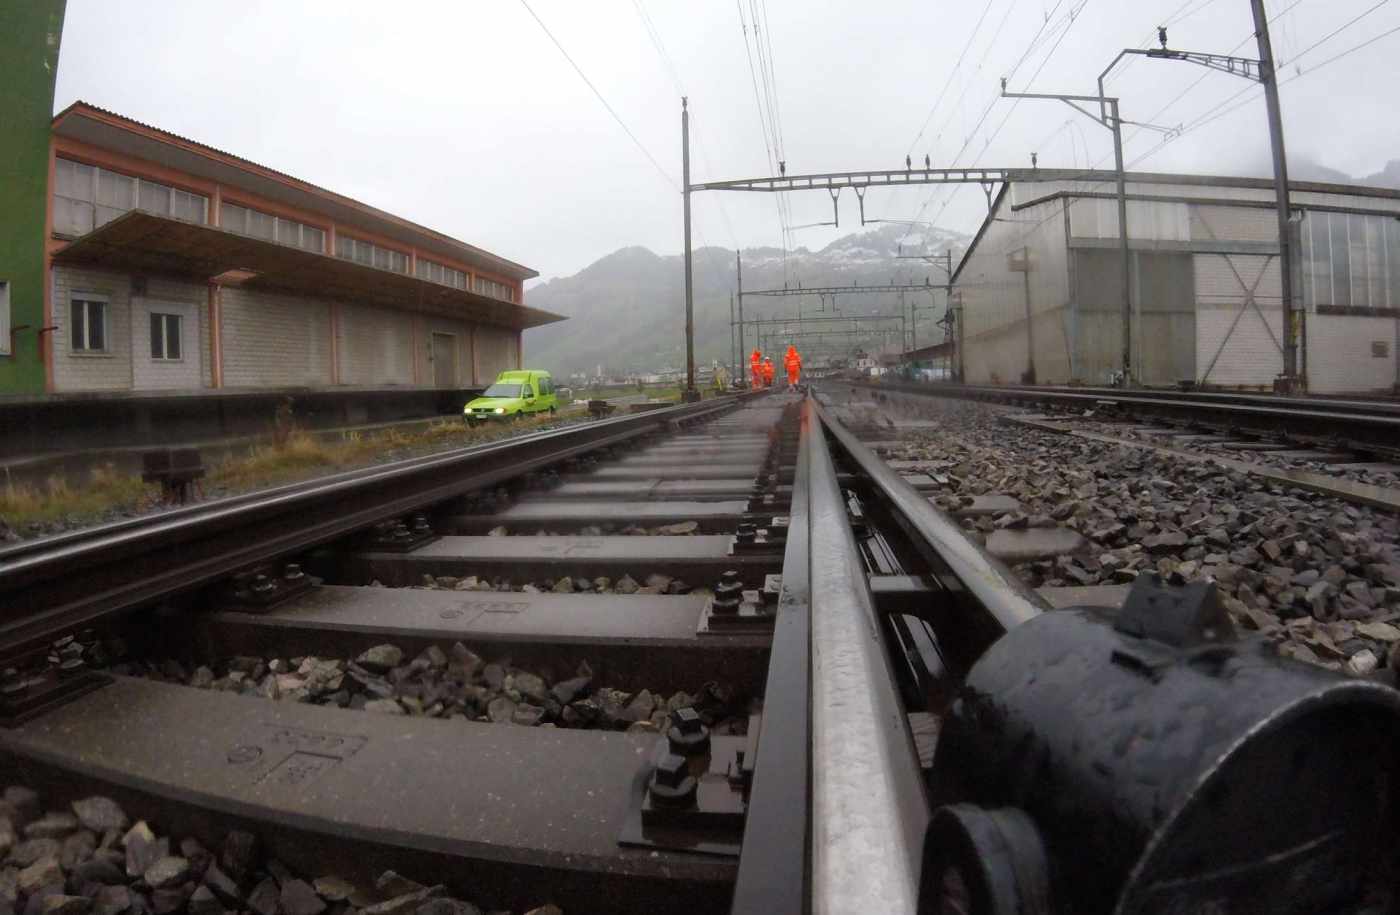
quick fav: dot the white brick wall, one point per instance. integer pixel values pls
(92, 372)
(273, 340)
(375, 346)
(165, 296)
(1340, 358)
(1251, 355)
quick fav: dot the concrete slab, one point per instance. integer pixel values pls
(1311, 454)
(644, 470)
(1254, 446)
(507, 816)
(529, 516)
(632, 641)
(920, 481)
(1036, 543)
(990, 504)
(651, 488)
(698, 559)
(1086, 596)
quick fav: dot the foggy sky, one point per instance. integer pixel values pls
(466, 118)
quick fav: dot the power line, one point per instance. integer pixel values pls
(1071, 17)
(949, 81)
(655, 37)
(599, 95)
(1336, 57)
(1196, 82)
(1220, 109)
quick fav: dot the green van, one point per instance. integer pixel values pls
(514, 394)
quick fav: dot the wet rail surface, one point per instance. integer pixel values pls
(698, 660)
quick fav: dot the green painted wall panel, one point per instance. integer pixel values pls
(29, 37)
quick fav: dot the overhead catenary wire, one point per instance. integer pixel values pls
(588, 82)
(1214, 114)
(654, 34)
(1071, 16)
(967, 140)
(949, 81)
(1206, 74)
(1234, 102)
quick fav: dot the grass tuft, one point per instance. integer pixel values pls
(105, 490)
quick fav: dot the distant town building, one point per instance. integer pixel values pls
(1038, 292)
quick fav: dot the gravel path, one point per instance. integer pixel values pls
(1319, 576)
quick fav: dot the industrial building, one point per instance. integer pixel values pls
(170, 267)
(1038, 294)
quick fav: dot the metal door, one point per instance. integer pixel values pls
(444, 360)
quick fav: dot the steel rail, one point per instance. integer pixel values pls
(869, 808)
(1380, 417)
(51, 587)
(987, 593)
(773, 863)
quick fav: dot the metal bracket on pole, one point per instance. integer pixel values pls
(860, 198)
(835, 210)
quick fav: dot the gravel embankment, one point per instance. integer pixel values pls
(1318, 575)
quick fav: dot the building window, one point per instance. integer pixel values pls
(165, 336)
(4, 317)
(1351, 261)
(437, 273)
(86, 197)
(494, 289)
(89, 325)
(246, 221)
(371, 255)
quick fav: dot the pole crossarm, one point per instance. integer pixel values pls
(841, 290)
(1247, 67)
(891, 178)
(808, 319)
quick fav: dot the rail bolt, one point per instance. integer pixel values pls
(262, 585)
(292, 572)
(671, 781)
(688, 735)
(421, 525)
(729, 594)
(401, 531)
(748, 532)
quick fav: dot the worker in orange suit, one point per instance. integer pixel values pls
(792, 361)
(767, 372)
(756, 368)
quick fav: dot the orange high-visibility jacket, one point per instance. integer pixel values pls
(767, 371)
(793, 363)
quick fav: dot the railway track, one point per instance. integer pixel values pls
(706, 659)
(1367, 428)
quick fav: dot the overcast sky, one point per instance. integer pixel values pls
(467, 118)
